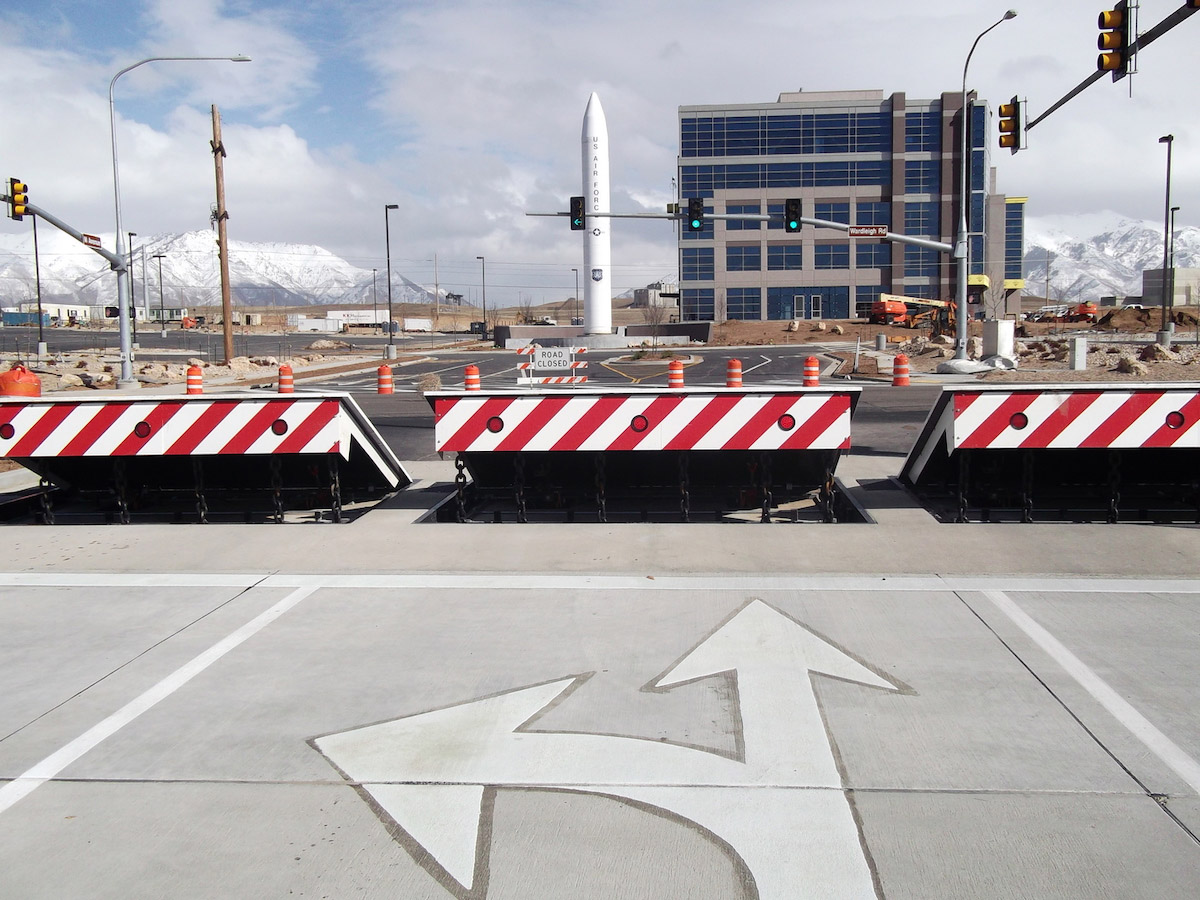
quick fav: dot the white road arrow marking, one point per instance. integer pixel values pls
(793, 841)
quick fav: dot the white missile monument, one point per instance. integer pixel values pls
(597, 246)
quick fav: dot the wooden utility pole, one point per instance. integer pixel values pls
(222, 238)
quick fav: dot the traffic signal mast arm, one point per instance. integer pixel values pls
(1136, 45)
(758, 217)
(115, 262)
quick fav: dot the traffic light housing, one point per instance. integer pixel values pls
(1116, 36)
(578, 214)
(17, 198)
(695, 217)
(791, 215)
(1011, 128)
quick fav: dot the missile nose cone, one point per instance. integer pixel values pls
(594, 111)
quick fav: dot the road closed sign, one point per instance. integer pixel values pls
(552, 358)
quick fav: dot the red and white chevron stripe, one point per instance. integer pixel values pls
(199, 426)
(1076, 418)
(552, 379)
(726, 420)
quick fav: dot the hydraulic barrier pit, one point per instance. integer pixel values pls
(641, 454)
(242, 454)
(1095, 452)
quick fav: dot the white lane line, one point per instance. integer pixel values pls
(26, 783)
(1138, 725)
(601, 581)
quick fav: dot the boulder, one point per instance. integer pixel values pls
(1131, 366)
(1157, 353)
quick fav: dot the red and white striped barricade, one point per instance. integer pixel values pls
(716, 437)
(213, 444)
(1075, 451)
(560, 360)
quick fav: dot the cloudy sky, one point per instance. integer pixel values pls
(467, 113)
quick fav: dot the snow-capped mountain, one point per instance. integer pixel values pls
(260, 274)
(1089, 256)
(1097, 255)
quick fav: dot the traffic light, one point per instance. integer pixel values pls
(17, 198)
(791, 215)
(1010, 125)
(578, 214)
(1116, 34)
(695, 219)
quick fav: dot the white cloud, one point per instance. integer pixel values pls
(467, 113)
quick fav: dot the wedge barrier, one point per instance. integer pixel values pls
(236, 453)
(1095, 452)
(603, 452)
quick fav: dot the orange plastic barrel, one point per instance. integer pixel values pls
(812, 372)
(733, 373)
(675, 374)
(384, 383)
(20, 382)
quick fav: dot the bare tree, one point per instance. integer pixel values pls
(654, 314)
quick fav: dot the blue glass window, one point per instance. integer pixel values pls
(782, 302)
(1014, 240)
(864, 296)
(781, 257)
(783, 134)
(922, 219)
(834, 212)
(743, 257)
(743, 303)
(873, 256)
(775, 211)
(922, 176)
(921, 262)
(697, 304)
(831, 256)
(975, 254)
(923, 132)
(873, 214)
(702, 181)
(739, 224)
(697, 264)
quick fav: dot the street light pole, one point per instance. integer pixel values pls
(576, 271)
(133, 288)
(390, 353)
(962, 244)
(374, 301)
(125, 293)
(483, 283)
(1168, 324)
(161, 313)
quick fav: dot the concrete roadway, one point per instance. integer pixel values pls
(393, 709)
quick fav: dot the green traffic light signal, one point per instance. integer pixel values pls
(791, 215)
(578, 214)
(696, 214)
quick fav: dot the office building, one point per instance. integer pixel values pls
(854, 157)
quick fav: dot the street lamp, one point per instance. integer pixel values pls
(1167, 324)
(962, 245)
(161, 313)
(127, 380)
(483, 282)
(390, 352)
(133, 287)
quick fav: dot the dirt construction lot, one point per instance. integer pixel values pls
(1120, 346)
